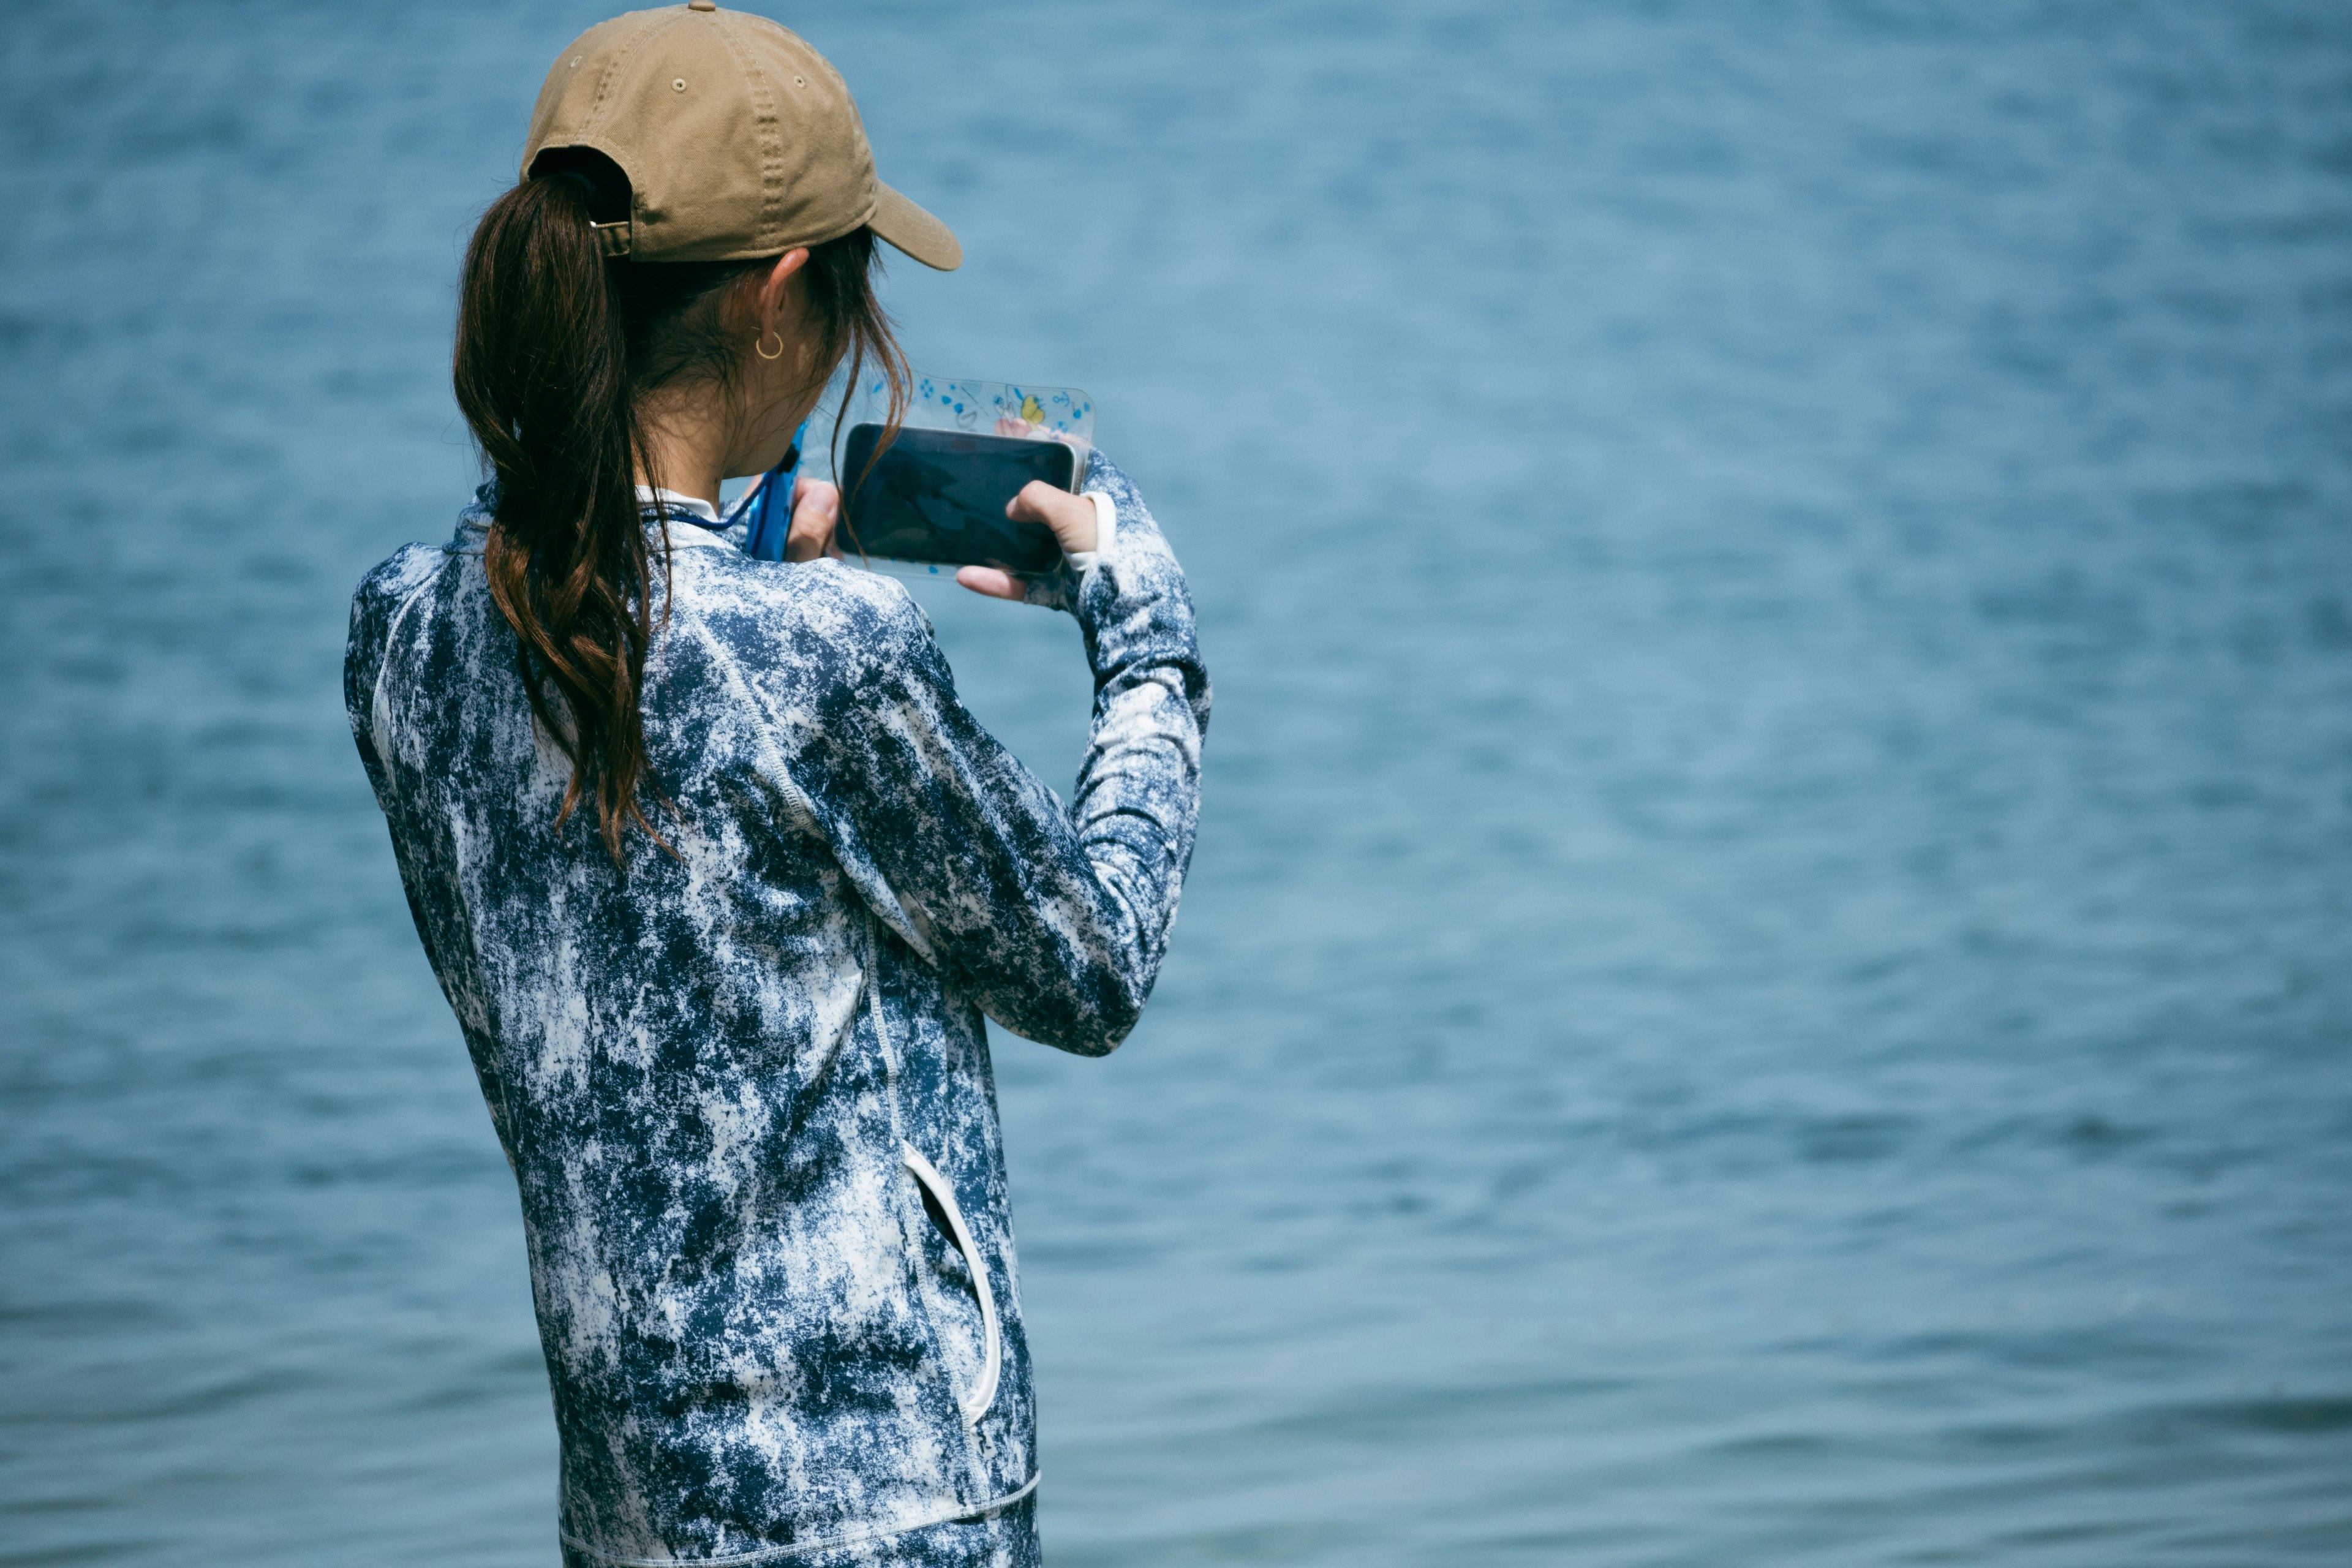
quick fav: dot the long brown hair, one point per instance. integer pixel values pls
(556, 349)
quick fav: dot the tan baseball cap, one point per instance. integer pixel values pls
(738, 141)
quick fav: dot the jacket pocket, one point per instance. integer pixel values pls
(975, 1404)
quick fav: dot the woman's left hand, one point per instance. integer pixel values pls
(1071, 517)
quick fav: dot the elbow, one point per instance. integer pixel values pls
(1111, 1015)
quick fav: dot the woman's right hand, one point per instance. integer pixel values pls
(816, 512)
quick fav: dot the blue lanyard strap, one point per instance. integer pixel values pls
(770, 516)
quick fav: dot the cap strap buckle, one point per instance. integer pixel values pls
(613, 239)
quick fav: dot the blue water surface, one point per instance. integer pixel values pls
(1768, 975)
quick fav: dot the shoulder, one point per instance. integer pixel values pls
(395, 578)
(823, 620)
(374, 608)
(381, 593)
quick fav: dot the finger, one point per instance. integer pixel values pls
(1072, 518)
(816, 512)
(988, 580)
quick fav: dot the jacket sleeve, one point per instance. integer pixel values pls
(380, 596)
(376, 617)
(1053, 919)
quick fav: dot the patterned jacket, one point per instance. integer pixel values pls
(745, 1088)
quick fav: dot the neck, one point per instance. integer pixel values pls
(689, 456)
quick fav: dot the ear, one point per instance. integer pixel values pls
(773, 287)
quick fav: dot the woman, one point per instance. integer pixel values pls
(718, 874)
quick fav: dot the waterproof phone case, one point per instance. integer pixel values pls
(933, 498)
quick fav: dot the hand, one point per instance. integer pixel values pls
(1072, 519)
(816, 512)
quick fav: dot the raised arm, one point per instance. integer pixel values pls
(1054, 919)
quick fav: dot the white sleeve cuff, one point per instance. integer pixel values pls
(1106, 532)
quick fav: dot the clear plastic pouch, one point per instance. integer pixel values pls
(946, 423)
(988, 407)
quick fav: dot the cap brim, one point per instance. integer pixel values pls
(915, 231)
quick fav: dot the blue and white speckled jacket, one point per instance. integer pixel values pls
(746, 1089)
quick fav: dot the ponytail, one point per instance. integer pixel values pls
(542, 376)
(556, 348)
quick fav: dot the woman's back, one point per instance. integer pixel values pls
(743, 1080)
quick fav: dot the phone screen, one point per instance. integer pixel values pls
(939, 495)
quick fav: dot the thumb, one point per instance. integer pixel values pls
(1071, 517)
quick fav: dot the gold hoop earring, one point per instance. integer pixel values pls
(757, 344)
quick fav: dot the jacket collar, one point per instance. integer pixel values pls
(654, 504)
(707, 529)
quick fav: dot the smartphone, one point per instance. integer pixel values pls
(939, 496)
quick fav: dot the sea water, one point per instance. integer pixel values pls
(1769, 972)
